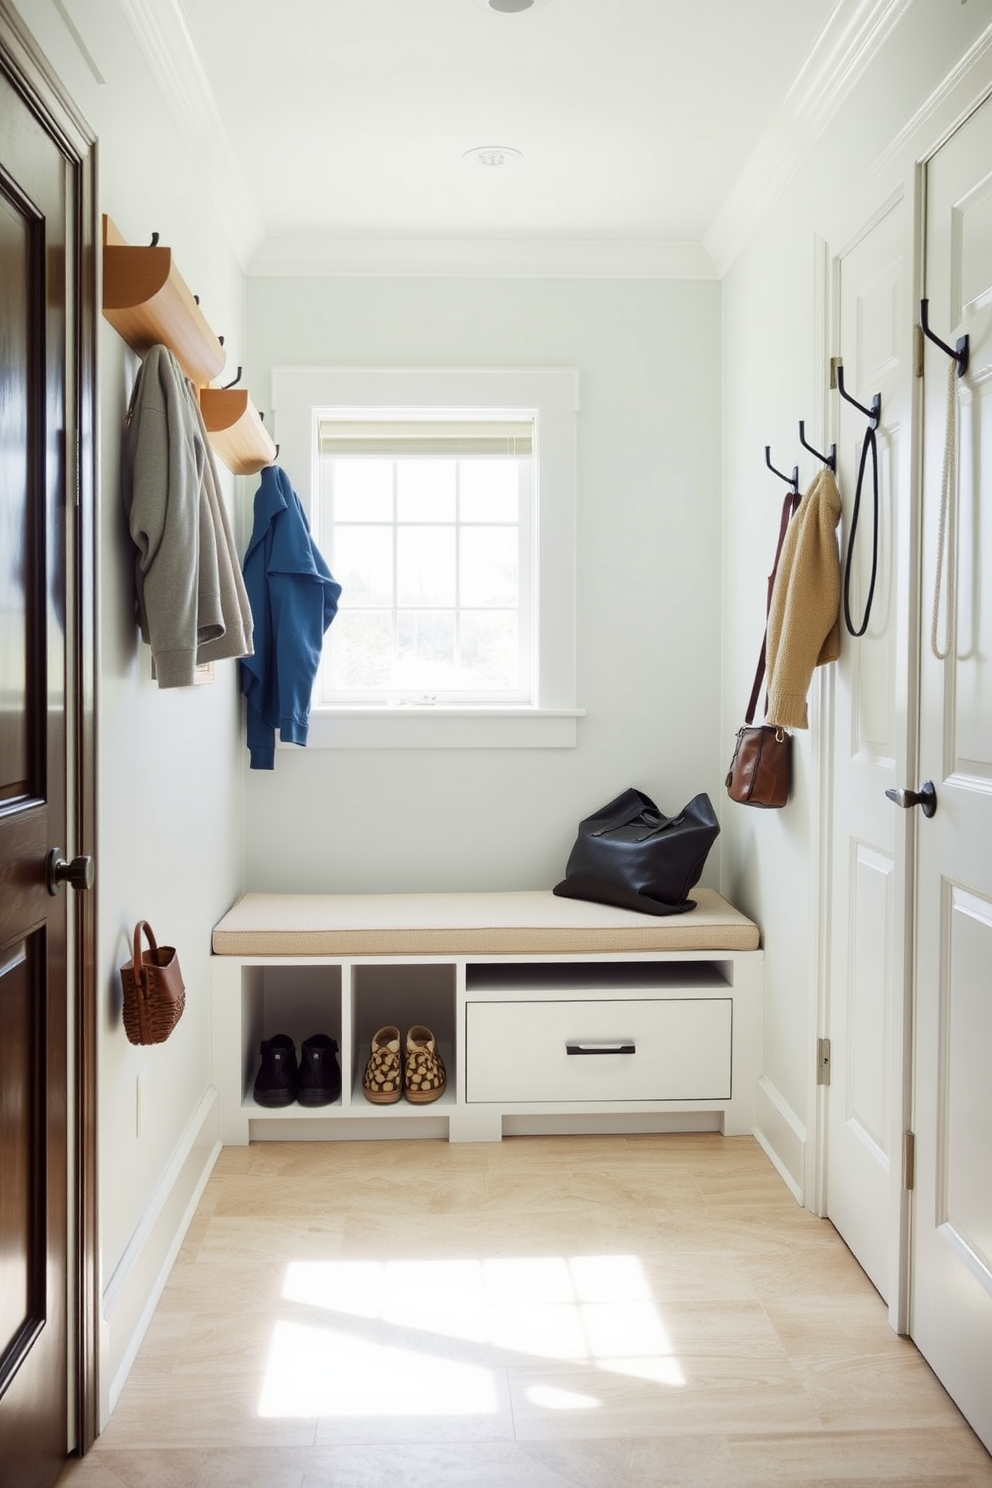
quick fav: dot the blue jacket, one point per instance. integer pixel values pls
(293, 599)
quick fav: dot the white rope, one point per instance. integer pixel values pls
(947, 525)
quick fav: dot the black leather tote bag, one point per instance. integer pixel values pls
(632, 855)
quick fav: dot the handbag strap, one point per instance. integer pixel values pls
(632, 803)
(789, 505)
(138, 963)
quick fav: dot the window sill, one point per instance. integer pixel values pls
(443, 728)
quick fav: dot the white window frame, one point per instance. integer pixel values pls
(521, 526)
(300, 394)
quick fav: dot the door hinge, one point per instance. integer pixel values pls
(909, 1160)
(835, 362)
(918, 350)
(70, 467)
(823, 1061)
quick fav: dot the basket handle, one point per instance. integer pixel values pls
(138, 965)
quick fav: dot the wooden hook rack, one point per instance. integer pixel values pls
(236, 429)
(147, 302)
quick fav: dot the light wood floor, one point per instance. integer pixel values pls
(580, 1312)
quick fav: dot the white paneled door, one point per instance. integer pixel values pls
(865, 1015)
(952, 1221)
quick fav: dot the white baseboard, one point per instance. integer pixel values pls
(782, 1136)
(133, 1292)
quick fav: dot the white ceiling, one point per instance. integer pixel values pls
(638, 121)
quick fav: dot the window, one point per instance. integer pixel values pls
(444, 502)
(425, 519)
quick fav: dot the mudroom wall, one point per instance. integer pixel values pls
(169, 845)
(647, 590)
(778, 337)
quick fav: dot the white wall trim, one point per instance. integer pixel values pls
(482, 257)
(854, 33)
(163, 34)
(133, 1291)
(782, 1136)
(397, 727)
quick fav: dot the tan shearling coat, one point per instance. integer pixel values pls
(803, 617)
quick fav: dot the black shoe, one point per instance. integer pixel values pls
(275, 1083)
(319, 1081)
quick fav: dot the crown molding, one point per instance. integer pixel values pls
(854, 33)
(163, 34)
(481, 257)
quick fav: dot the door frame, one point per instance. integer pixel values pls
(31, 77)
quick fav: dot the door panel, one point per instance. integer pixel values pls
(35, 212)
(865, 1005)
(14, 235)
(969, 700)
(964, 1173)
(866, 1096)
(952, 1219)
(18, 1004)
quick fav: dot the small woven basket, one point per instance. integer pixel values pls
(154, 993)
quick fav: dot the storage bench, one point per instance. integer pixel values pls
(551, 1014)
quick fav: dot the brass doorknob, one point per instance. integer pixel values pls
(79, 874)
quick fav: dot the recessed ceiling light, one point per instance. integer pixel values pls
(512, 7)
(493, 156)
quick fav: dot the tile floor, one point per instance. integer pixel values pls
(561, 1312)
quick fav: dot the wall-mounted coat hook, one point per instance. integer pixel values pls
(872, 414)
(234, 380)
(960, 350)
(790, 480)
(829, 460)
(154, 241)
(868, 448)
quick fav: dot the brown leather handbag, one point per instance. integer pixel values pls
(154, 993)
(760, 772)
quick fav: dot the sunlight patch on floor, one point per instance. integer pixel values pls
(550, 1398)
(314, 1371)
(592, 1311)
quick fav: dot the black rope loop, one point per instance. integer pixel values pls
(869, 443)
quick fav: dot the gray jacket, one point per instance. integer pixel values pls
(190, 596)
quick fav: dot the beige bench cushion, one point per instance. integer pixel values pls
(497, 924)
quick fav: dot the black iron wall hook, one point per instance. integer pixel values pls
(790, 480)
(872, 414)
(868, 448)
(960, 351)
(829, 460)
(234, 381)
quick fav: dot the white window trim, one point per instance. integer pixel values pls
(298, 393)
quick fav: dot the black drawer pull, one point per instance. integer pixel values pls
(601, 1046)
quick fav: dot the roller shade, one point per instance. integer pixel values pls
(511, 439)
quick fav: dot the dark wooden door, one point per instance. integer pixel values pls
(36, 254)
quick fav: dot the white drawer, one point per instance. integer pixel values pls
(666, 1049)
